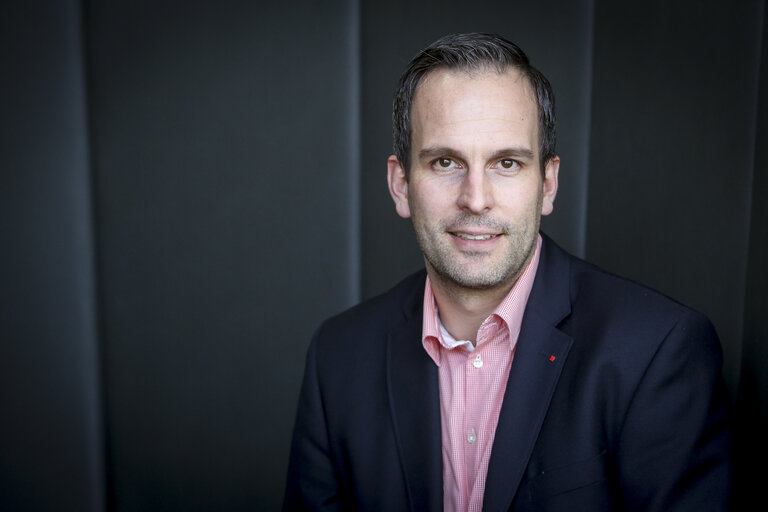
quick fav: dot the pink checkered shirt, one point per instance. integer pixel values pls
(472, 384)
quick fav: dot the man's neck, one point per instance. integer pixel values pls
(463, 310)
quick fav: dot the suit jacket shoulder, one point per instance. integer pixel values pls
(368, 414)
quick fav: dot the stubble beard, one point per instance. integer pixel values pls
(479, 270)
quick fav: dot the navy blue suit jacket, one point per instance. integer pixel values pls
(629, 414)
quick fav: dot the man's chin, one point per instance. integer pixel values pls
(479, 284)
(476, 281)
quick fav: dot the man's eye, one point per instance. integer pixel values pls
(508, 163)
(445, 164)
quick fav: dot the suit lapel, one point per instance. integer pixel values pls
(415, 407)
(539, 357)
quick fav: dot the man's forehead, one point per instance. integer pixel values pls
(449, 96)
(454, 103)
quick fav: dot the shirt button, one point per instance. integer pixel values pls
(471, 437)
(478, 362)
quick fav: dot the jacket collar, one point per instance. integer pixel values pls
(414, 399)
(539, 358)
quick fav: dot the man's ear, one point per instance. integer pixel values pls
(549, 187)
(398, 186)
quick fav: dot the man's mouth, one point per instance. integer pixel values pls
(467, 236)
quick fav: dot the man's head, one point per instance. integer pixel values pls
(477, 182)
(471, 53)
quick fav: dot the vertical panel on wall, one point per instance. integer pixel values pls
(50, 431)
(557, 38)
(221, 134)
(353, 140)
(752, 402)
(671, 152)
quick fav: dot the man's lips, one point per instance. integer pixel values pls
(474, 236)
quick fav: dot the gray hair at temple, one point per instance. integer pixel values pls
(469, 52)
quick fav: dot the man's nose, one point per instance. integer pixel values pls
(476, 194)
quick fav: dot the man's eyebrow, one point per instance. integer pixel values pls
(516, 152)
(435, 152)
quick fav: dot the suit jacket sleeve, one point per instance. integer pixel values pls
(312, 482)
(673, 451)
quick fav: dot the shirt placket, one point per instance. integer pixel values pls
(475, 369)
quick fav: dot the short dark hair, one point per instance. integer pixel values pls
(469, 52)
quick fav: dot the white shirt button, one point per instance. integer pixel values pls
(471, 437)
(478, 362)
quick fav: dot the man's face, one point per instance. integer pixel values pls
(475, 192)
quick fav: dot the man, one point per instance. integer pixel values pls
(509, 375)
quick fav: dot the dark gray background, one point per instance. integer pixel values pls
(188, 188)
